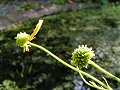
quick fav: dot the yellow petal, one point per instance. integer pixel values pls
(38, 26)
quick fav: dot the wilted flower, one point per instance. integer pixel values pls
(81, 56)
(23, 38)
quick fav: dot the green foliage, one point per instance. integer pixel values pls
(36, 5)
(58, 1)
(9, 85)
(31, 5)
(9, 1)
(64, 86)
(61, 33)
(104, 2)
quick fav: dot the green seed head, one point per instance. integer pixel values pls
(22, 39)
(81, 56)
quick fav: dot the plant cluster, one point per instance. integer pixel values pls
(61, 34)
(28, 6)
(81, 57)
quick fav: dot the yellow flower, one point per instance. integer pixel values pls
(22, 39)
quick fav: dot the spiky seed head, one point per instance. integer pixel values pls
(81, 56)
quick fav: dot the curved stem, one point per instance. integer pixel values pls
(88, 83)
(109, 88)
(66, 64)
(104, 71)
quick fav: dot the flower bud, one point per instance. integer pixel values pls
(81, 56)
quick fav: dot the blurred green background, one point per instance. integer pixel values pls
(61, 33)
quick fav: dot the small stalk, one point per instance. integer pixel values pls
(104, 71)
(66, 64)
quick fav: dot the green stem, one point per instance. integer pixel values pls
(88, 83)
(93, 78)
(104, 71)
(66, 64)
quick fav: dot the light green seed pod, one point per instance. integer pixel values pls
(22, 39)
(81, 56)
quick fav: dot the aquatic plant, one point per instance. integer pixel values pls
(81, 57)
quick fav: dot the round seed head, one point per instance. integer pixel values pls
(81, 56)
